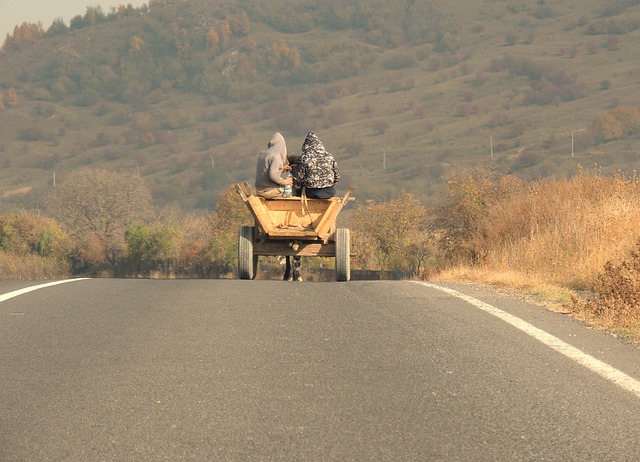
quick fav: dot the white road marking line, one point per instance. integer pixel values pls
(15, 293)
(604, 370)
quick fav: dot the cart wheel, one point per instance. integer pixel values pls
(247, 261)
(255, 266)
(343, 254)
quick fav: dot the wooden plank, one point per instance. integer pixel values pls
(292, 220)
(346, 197)
(315, 249)
(293, 233)
(294, 214)
(328, 221)
(288, 205)
(327, 224)
(282, 205)
(260, 213)
(241, 192)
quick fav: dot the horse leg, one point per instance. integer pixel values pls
(296, 269)
(287, 270)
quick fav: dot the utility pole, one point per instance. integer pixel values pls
(491, 143)
(53, 168)
(212, 164)
(572, 144)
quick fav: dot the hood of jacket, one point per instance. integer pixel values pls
(313, 145)
(279, 146)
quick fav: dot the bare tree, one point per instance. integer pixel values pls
(97, 205)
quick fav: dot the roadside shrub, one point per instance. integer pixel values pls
(230, 213)
(32, 248)
(31, 267)
(23, 234)
(617, 293)
(463, 210)
(392, 235)
(152, 249)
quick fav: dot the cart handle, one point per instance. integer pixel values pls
(244, 190)
(345, 198)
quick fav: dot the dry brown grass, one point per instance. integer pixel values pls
(558, 238)
(32, 267)
(555, 295)
(563, 231)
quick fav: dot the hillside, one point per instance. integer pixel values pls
(402, 92)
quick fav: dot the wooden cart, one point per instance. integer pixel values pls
(293, 226)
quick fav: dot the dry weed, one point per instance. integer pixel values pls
(617, 293)
(32, 267)
(563, 231)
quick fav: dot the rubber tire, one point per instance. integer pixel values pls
(343, 255)
(247, 262)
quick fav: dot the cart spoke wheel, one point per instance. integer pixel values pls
(343, 254)
(247, 261)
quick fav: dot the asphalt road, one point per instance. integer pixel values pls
(134, 370)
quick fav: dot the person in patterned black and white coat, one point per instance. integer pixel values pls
(318, 170)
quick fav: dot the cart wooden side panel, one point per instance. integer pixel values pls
(259, 211)
(294, 217)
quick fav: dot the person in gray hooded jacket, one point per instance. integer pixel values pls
(272, 163)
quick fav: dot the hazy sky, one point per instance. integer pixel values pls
(15, 12)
